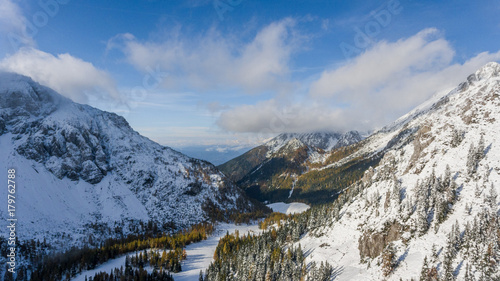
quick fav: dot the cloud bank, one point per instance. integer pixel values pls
(70, 76)
(13, 26)
(367, 92)
(216, 61)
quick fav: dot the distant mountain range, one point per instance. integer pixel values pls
(215, 154)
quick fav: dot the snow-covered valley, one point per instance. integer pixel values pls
(200, 254)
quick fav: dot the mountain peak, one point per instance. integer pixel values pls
(115, 173)
(489, 70)
(294, 144)
(23, 96)
(494, 66)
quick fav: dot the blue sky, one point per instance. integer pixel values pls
(236, 72)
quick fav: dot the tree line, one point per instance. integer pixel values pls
(76, 260)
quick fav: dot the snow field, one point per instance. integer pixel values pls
(288, 208)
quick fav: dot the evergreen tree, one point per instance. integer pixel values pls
(422, 222)
(492, 198)
(425, 270)
(471, 160)
(447, 176)
(396, 190)
(468, 275)
(480, 149)
(457, 138)
(388, 259)
(8, 276)
(478, 191)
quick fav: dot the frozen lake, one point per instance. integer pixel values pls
(289, 208)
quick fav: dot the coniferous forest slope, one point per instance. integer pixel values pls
(428, 211)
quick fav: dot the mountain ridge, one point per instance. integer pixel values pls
(429, 209)
(76, 151)
(441, 179)
(269, 172)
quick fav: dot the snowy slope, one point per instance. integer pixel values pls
(412, 202)
(77, 165)
(199, 255)
(322, 140)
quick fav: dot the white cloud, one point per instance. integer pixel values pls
(72, 77)
(384, 64)
(13, 26)
(215, 107)
(213, 61)
(325, 24)
(367, 92)
(272, 117)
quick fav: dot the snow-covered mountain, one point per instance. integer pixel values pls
(78, 166)
(322, 140)
(277, 164)
(430, 207)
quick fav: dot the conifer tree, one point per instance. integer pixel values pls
(425, 270)
(492, 198)
(471, 160)
(468, 275)
(388, 259)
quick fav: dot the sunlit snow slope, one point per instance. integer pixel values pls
(412, 202)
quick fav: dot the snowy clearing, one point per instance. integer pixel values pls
(199, 255)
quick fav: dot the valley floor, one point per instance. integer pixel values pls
(199, 255)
